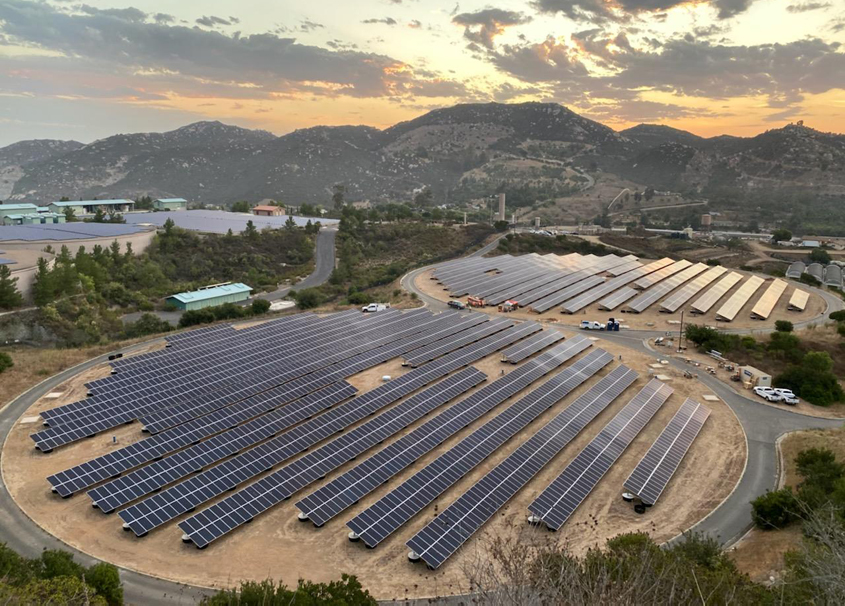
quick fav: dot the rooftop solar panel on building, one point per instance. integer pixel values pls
(652, 474)
(558, 501)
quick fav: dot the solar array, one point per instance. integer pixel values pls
(763, 308)
(616, 299)
(737, 301)
(347, 489)
(459, 521)
(703, 304)
(652, 474)
(661, 274)
(180, 498)
(218, 221)
(651, 296)
(228, 514)
(530, 346)
(673, 303)
(561, 498)
(392, 511)
(66, 231)
(798, 300)
(612, 285)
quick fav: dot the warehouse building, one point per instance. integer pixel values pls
(90, 207)
(39, 218)
(210, 296)
(170, 204)
(16, 209)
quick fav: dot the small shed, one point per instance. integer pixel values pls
(211, 296)
(267, 210)
(170, 204)
(753, 377)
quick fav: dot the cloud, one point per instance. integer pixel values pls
(807, 6)
(383, 20)
(212, 21)
(306, 25)
(482, 27)
(600, 11)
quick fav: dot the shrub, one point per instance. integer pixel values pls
(260, 306)
(812, 379)
(309, 298)
(347, 592)
(147, 324)
(809, 280)
(775, 509)
(783, 326)
(839, 316)
(106, 580)
(713, 262)
(5, 361)
(194, 317)
(819, 255)
(359, 298)
(500, 225)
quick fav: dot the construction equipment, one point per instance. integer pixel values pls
(475, 302)
(508, 306)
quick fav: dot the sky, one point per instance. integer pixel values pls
(85, 71)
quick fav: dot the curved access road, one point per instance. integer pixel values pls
(762, 424)
(324, 253)
(23, 535)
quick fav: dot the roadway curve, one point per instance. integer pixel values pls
(762, 424)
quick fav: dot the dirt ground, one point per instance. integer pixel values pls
(277, 545)
(760, 553)
(652, 318)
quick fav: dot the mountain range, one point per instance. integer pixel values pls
(461, 152)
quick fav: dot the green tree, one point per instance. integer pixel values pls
(147, 324)
(241, 207)
(260, 306)
(70, 214)
(42, 286)
(501, 225)
(781, 235)
(99, 216)
(309, 298)
(424, 198)
(338, 196)
(345, 592)
(6, 363)
(783, 326)
(169, 225)
(9, 295)
(775, 509)
(105, 579)
(250, 232)
(290, 223)
(820, 255)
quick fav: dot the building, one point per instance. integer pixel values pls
(833, 276)
(752, 377)
(811, 244)
(795, 270)
(170, 204)
(90, 207)
(268, 211)
(210, 296)
(16, 209)
(706, 221)
(42, 218)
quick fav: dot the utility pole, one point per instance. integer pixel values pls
(681, 334)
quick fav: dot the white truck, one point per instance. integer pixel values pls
(374, 307)
(591, 325)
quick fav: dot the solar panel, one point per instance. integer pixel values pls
(653, 472)
(730, 309)
(673, 303)
(567, 293)
(661, 274)
(703, 304)
(798, 300)
(218, 221)
(441, 537)
(430, 352)
(347, 489)
(594, 294)
(528, 297)
(763, 308)
(650, 296)
(530, 346)
(558, 501)
(174, 501)
(618, 298)
(401, 504)
(233, 511)
(65, 231)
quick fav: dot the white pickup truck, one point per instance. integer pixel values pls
(590, 325)
(373, 307)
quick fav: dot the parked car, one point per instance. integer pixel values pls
(787, 396)
(456, 304)
(767, 393)
(590, 325)
(373, 307)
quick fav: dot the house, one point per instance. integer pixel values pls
(268, 210)
(34, 219)
(170, 204)
(90, 207)
(811, 244)
(210, 296)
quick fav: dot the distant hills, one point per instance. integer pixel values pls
(461, 152)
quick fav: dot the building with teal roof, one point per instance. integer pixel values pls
(210, 296)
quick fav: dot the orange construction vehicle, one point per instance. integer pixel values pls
(475, 302)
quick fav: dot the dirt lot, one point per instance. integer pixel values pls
(652, 318)
(277, 545)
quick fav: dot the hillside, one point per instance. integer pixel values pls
(533, 151)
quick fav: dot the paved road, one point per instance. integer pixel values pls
(762, 424)
(24, 536)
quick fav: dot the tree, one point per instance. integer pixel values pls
(338, 196)
(775, 509)
(5, 361)
(309, 298)
(345, 592)
(781, 235)
(70, 215)
(500, 225)
(290, 223)
(99, 216)
(241, 207)
(42, 286)
(260, 306)
(9, 295)
(147, 324)
(820, 255)
(105, 579)
(424, 198)
(250, 231)
(783, 326)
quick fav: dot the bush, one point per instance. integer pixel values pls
(105, 579)
(819, 255)
(500, 225)
(783, 326)
(713, 262)
(809, 279)
(147, 324)
(260, 306)
(309, 298)
(346, 592)
(812, 379)
(5, 361)
(195, 317)
(775, 509)
(839, 316)
(359, 298)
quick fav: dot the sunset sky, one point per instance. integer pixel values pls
(84, 71)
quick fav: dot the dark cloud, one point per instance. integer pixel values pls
(125, 14)
(308, 26)
(212, 21)
(383, 20)
(805, 7)
(599, 11)
(164, 18)
(482, 27)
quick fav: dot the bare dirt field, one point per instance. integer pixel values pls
(652, 318)
(277, 545)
